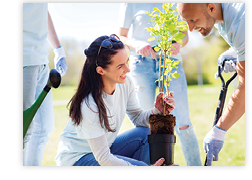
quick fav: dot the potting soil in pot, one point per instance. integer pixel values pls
(160, 124)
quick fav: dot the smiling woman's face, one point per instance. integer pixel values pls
(117, 70)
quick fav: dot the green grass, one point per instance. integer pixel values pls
(202, 105)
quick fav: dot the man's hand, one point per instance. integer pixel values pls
(213, 142)
(230, 64)
(60, 60)
(145, 49)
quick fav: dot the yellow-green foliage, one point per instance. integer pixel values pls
(165, 28)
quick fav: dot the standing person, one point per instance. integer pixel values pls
(229, 19)
(37, 27)
(144, 72)
(97, 109)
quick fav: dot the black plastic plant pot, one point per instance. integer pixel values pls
(162, 145)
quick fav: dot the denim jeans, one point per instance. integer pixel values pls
(144, 73)
(131, 146)
(34, 80)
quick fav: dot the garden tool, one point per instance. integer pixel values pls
(222, 95)
(53, 81)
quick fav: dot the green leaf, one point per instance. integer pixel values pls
(179, 37)
(151, 39)
(156, 27)
(149, 29)
(175, 75)
(147, 12)
(168, 61)
(182, 26)
(175, 63)
(172, 4)
(164, 27)
(156, 48)
(156, 9)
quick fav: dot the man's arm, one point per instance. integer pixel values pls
(60, 57)
(140, 47)
(236, 105)
(52, 36)
(144, 48)
(123, 34)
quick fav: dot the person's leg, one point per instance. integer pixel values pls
(43, 123)
(133, 144)
(184, 127)
(143, 71)
(89, 160)
(30, 75)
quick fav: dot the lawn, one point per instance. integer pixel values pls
(202, 105)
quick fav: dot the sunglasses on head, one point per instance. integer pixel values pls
(107, 43)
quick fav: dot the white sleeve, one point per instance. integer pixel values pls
(238, 39)
(102, 154)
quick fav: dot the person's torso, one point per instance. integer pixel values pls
(141, 20)
(35, 30)
(74, 143)
(232, 29)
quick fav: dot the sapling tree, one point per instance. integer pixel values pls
(166, 28)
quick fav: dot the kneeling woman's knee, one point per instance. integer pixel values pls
(143, 130)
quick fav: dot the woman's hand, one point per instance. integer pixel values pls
(159, 162)
(168, 100)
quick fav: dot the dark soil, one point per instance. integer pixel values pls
(160, 124)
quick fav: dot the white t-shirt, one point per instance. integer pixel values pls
(35, 30)
(73, 142)
(133, 17)
(232, 29)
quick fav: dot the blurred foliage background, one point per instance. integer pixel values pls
(202, 60)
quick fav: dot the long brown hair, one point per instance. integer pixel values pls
(91, 82)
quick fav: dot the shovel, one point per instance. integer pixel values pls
(222, 96)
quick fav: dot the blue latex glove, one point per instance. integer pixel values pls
(213, 142)
(60, 60)
(230, 65)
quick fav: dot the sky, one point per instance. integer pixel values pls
(87, 21)
(84, 21)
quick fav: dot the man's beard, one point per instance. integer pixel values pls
(209, 25)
